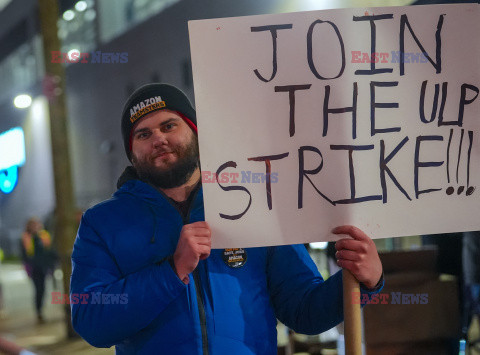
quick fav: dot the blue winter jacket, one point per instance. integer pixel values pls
(124, 291)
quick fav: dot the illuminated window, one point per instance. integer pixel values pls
(117, 16)
(77, 27)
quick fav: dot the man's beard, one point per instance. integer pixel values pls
(174, 175)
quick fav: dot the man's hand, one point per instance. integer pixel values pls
(358, 255)
(193, 245)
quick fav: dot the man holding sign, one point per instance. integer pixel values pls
(151, 243)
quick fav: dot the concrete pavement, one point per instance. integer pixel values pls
(18, 321)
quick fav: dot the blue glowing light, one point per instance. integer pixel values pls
(12, 156)
(8, 179)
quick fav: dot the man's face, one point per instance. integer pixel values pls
(34, 226)
(164, 149)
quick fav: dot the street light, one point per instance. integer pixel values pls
(318, 245)
(81, 6)
(22, 101)
(68, 15)
(73, 55)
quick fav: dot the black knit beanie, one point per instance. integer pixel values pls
(150, 98)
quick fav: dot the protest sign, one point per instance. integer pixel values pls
(311, 120)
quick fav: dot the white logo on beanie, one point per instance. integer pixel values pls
(145, 106)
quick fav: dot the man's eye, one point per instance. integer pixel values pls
(169, 126)
(142, 135)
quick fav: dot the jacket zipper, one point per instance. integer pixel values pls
(201, 312)
(198, 288)
(196, 277)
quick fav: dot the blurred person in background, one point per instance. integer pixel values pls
(35, 246)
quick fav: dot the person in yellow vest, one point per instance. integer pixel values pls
(35, 245)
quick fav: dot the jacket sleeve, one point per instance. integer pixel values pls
(94, 271)
(301, 298)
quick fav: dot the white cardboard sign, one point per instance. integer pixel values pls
(302, 128)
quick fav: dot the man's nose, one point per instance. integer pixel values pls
(159, 138)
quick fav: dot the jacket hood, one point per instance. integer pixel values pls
(130, 183)
(128, 174)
